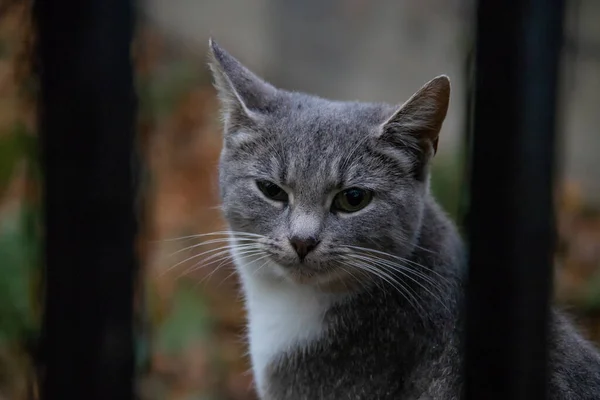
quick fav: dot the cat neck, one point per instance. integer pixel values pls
(283, 317)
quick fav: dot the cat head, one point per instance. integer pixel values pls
(316, 187)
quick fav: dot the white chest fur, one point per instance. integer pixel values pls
(282, 317)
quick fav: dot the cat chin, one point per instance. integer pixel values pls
(331, 280)
(324, 279)
(290, 273)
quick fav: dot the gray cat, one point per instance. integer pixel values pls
(352, 274)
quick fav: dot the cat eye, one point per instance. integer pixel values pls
(351, 200)
(272, 191)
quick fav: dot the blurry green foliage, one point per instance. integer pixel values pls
(160, 92)
(447, 181)
(188, 320)
(19, 256)
(14, 146)
(20, 272)
(591, 298)
(19, 241)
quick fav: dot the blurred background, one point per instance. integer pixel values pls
(191, 345)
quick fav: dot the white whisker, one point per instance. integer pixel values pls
(212, 241)
(397, 258)
(228, 247)
(216, 233)
(222, 256)
(403, 271)
(402, 289)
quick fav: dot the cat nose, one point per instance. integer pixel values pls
(303, 246)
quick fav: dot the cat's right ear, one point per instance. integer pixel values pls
(244, 96)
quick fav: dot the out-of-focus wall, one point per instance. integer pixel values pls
(383, 50)
(241, 26)
(581, 98)
(371, 50)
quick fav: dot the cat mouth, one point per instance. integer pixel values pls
(299, 272)
(326, 278)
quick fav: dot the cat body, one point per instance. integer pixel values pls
(353, 276)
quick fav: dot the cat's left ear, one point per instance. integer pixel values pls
(417, 123)
(244, 96)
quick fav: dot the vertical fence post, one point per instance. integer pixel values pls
(510, 222)
(87, 124)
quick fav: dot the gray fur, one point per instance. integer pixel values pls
(379, 344)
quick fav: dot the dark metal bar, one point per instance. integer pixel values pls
(511, 230)
(87, 124)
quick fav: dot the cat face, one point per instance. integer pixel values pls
(322, 187)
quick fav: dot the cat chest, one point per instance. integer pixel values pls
(281, 322)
